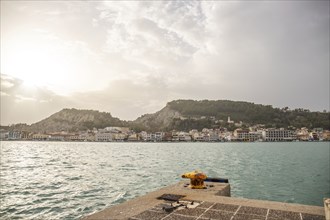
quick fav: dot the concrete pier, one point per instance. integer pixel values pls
(211, 203)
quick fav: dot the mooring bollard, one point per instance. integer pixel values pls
(197, 179)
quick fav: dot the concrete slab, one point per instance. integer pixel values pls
(208, 205)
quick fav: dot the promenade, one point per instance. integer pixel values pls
(211, 203)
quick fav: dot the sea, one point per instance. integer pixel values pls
(70, 180)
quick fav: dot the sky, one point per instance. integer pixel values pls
(130, 58)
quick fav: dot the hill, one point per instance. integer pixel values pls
(188, 114)
(76, 120)
(159, 121)
(184, 115)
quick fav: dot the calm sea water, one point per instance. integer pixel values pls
(52, 180)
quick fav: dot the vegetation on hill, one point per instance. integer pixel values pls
(184, 115)
(215, 113)
(76, 120)
(159, 121)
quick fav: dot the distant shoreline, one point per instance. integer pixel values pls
(313, 141)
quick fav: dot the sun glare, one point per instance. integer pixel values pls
(35, 65)
(40, 61)
(43, 60)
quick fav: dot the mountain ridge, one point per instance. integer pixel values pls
(184, 115)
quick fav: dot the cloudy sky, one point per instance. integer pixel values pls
(131, 58)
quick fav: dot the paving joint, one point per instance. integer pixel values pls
(211, 206)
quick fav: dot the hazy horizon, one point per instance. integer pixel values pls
(142, 113)
(132, 57)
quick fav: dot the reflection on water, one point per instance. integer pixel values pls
(71, 180)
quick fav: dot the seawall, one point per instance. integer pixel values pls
(211, 203)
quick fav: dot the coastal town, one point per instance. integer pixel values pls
(255, 133)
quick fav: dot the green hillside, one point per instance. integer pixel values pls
(248, 113)
(184, 115)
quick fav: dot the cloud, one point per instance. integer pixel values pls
(21, 103)
(140, 54)
(126, 99)
(5, 83)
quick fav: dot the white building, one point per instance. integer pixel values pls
(87, 136)
(213, 136)
(103, 136)
(143, 135)
(40, 137)
(133, 137)
(56, 137)
(120, 137)
(3, 134)
(198, 137)
(246, 135)
(279, 135)
(159, 136)
(183, 136)
(150, 137)
(14, 135)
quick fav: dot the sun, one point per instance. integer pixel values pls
(43, 59)
(35, 64)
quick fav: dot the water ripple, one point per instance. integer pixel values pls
(47, 180)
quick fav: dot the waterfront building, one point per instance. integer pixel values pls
(87, 136)
(279, 135)
(40, 137)
(159, 136)
(56, 137)
(314, 136)
(14, 135)
(143, 135)
(255, 136)
(74, 137)
(326, 135)
(213, 136)
(226, 136)
(246, 135)
(193, 133)
(302, 134)
(104, 136)
(183, 136)
(206, 137)
(25, 135)
(317, 134)
(120, 137)
(150, 137)
(4, 134)
(198, 137)
(167, 136)
(133, 137)
(175, 136)
(241, 134)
